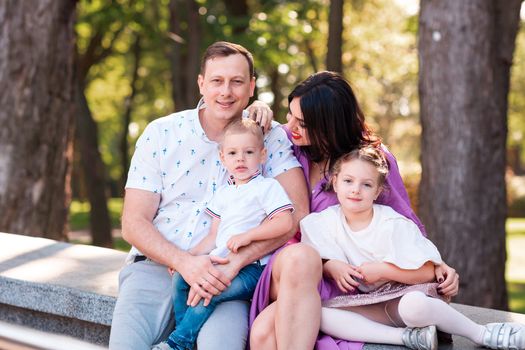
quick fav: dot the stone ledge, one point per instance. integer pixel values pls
(58, 287)
(71, 289)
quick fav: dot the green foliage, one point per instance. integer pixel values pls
(516, 122)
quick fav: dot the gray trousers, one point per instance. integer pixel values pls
(143, 313)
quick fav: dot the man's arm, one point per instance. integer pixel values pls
(208, 243)
(139, 210)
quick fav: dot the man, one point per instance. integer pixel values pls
(173, 174)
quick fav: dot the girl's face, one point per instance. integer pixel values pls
(296, 124)
(357, 186)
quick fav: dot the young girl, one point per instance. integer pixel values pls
(383, 254)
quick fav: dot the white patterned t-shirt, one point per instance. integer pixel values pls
(175, 158)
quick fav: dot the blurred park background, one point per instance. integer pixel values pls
(442, 82)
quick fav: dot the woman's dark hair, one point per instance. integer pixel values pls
(332, 117)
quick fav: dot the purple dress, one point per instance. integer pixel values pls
(394, 196)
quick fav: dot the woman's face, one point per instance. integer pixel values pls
(296, 124)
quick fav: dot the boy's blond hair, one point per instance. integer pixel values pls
(244, 126)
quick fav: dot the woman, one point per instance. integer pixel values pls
(324, 122)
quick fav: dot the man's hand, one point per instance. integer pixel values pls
(226, 268)
(448, 280)
(202, 276)
(262, 114)
(237, 241)
(343, 274)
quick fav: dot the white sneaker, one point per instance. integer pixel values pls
(504, 336)
(424, 338)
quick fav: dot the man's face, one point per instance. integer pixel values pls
(226, 86)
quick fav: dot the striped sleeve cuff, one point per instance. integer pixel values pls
(215, 215)
(280, 210)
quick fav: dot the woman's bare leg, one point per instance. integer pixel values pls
(296, 273)
(262, 333)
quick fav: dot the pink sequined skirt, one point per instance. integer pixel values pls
(387, 291)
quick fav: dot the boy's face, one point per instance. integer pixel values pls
(242, 154)
(357, 186)
(226, 86)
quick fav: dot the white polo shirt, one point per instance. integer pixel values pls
(244, 207)
(175, 158)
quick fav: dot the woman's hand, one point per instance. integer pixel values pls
(343, 274)
(373, 271)
(262, 114)
(448, 280)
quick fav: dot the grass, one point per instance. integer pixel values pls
(79, 214)
(515, 271)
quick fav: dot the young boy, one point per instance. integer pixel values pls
(237, 210)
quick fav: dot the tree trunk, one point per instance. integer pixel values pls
(94, 173)
(465, 51)
(185, 55)
(124, 144)
(335, 36)
(36, 84)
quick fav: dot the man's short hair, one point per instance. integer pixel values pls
(225, 49)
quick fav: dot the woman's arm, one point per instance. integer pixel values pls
(382, 271)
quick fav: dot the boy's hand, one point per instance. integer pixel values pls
(372, 271)
(343, 274)
(238, 241)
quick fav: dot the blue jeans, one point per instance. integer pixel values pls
(189, 320)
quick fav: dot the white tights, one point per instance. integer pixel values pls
(385, 322)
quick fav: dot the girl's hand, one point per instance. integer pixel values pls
(238, 241)
(262, 114)
(372, 271)
(343, 274)
(448, 280)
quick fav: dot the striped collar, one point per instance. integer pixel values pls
(231, 181)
